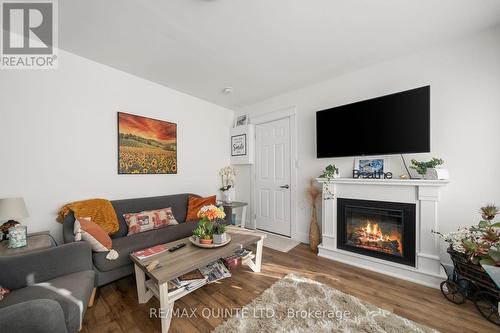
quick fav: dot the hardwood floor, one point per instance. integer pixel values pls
(116, 309)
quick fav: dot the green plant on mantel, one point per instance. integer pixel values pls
(421, 167)
(330, 172)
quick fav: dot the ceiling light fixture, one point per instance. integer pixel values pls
(227, 90)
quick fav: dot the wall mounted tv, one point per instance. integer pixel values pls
(393, 124)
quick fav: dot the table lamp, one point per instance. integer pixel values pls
(11, 209)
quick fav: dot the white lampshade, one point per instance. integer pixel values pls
(12, 208)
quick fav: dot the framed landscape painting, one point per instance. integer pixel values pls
(146, 146)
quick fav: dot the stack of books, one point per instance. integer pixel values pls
(214, 271)
(189, 280)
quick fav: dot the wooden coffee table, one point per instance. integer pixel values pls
(184, 260)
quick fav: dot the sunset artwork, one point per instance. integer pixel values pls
(146, 146)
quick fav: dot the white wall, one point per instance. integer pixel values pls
(58, 137)
(465, 88)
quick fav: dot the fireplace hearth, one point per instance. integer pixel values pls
(380, 229)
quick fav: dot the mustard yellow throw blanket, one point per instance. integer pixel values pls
(100, 211)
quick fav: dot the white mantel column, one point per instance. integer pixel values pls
(328, 215)
(428, 249)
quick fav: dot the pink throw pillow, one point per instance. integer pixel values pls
(149, 220)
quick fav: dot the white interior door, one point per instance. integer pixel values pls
(272, 172)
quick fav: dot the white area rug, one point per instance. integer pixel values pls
(296, 304)
(279, 243)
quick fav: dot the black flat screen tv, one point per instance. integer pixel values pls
(394, 124)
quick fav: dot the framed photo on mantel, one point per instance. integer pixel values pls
(370, 164)
(371, 167)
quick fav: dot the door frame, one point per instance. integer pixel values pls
(290, 113)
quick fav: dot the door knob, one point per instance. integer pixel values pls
(284, 186)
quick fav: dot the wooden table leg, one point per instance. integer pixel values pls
(256, 266)
(166, 306)
(143, 294)
(258, 255)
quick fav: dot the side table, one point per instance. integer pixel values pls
(243, 206)
(36, 241)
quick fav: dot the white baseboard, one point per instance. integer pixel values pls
(407, 274)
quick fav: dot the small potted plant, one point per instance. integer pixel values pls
(330, 172)
(425, 168)
(198, 233)
(204, 232)
(219, 233)
(206, 239)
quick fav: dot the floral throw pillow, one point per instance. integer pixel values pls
(149, 220)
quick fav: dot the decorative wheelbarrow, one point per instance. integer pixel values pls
(472, 282)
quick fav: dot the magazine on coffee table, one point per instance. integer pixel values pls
(150, 251)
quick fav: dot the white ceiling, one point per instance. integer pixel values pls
(260, 47)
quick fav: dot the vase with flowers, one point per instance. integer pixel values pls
(209, 216)
(227, 175)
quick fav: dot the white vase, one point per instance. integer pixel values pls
(228, 196)
(436, 173)
(219, 239)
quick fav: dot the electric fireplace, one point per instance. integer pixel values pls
(380, 229)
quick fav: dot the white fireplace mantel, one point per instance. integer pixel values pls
(425, 194)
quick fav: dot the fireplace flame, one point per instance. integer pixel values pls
(374, 233)
(371, 236)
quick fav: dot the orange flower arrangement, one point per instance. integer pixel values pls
(211, 213)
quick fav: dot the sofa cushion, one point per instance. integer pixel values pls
(92, 233)
(71, 291)
(149, 220)
(126, 245)
(195, 204)
(178, 202)
(35, 316)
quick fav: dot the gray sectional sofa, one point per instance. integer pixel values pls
(50, 289)
(110, 270)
